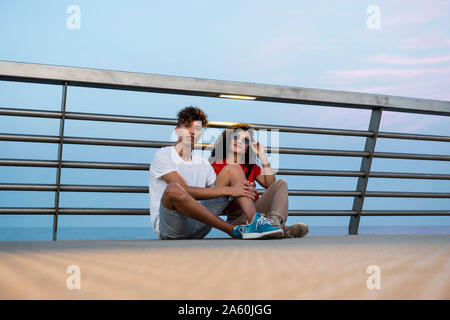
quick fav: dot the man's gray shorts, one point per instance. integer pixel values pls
(174, 225)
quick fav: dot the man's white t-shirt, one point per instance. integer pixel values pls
(198, 173)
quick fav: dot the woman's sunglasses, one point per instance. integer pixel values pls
(246, 140)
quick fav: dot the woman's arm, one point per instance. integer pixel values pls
(267, 177)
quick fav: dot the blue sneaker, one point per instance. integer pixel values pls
(262, 228)
(238, 231)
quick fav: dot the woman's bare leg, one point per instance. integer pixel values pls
(230, 175)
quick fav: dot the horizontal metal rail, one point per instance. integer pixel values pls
(160, 144)
(137, 212)
(75, 164)
(370, 212)
(146, 167)
(411, 156)
(214, 124)
(140, 189)
(169, 121)
(415, 136)
(72, 188)
(119, 80)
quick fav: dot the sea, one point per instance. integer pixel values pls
(109, 233)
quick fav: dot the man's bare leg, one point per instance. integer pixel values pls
(230, 175)
(175, 197)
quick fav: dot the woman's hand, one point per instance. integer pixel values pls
(258, 149)
(243, 189)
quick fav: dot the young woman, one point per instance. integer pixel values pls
(236, 146)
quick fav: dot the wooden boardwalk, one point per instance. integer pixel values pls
(411, 267)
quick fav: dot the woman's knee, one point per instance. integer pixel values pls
(231, 170)
(281, 184)
(233, 167)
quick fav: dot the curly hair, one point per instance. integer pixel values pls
(189, 114)
(223, 143)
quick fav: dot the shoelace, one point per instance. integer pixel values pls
(263, 220)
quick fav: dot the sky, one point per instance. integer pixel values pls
(396, 48)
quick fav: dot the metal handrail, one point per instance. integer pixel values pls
(69, 76)
(170, 121)
(160, 144)
(146, 167)
(132, 81)
(137, 211)
(141, 189)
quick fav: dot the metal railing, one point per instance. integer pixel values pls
(69, 76)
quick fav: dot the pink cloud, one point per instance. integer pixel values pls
(358, 119)
(437, 91)
(424, 42)
(392, 89)
(408, 13)
(386, 73)
(427, 86)
(399, 60)
(410, 123)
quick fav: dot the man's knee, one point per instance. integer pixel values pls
(174, 192)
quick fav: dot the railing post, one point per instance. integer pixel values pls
(366, 164)
(60, 149)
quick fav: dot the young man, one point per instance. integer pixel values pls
(186, 197)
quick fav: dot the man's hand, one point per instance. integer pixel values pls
(244, 189)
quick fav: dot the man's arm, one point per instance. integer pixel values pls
(209, 193)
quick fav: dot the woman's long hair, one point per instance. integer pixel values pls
(223, 144)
